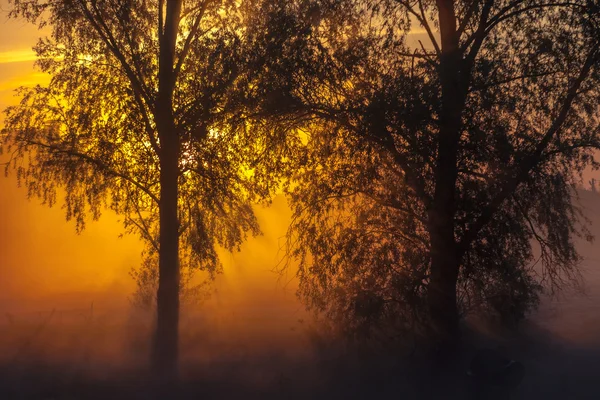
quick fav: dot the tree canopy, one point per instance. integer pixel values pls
(442, 172)
(93, 131)
(152, 111)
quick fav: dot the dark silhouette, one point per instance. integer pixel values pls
(494, 375)
(434, 165)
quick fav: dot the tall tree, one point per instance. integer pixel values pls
(430, 168)
(147, 114)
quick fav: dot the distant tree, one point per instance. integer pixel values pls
(430, 168)
(148, 113)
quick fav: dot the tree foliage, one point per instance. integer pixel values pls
(366, 190)
(93, 130)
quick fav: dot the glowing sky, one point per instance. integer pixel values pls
(40, 255)
(16, 56)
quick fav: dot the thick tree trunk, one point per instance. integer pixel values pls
(445, 258)
(166, 340)
(165, 352)
(442, 299)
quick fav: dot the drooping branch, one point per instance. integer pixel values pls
(533, 159)
(140, 91)
(95, 162)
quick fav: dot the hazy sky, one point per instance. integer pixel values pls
(16, 56)
(40, 254)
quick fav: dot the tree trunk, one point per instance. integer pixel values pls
(445, 258)
(166, 341)
(167, 299)
(442, 299)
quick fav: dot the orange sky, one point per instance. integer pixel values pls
(16, 56)
(40, 254)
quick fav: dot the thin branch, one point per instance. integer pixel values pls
(107, 37)
(99, 164)
(529, 162)
(514, 78)
(500, 17)
(141, 96)
(10, 158)
(426, 56)
(475, 174)
(428, 28)
(542, 242)
(422, 20)
(428, 59)
(412, 179)
(190, 38)
(144, 230)
(467, 18)
(396, 205)
(505, 14)
(478, 38)
(502, 11)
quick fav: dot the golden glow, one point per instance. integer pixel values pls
(17, 56)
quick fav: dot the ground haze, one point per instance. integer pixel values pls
(253, 338)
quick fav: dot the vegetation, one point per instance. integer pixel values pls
(426, 179)
(148, 113)
(438, 179)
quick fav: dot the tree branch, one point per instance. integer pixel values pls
(514, 78)
(139, 91)
(144, 229)
(533, 159)
(97, 163)
(190, 38)
(467, 18)
(420, 16)
(478, 38)
(504, 14)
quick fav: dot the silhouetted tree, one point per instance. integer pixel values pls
(146, 114)
(430, 168)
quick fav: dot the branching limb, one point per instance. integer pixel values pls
(534, 158)
(190, 38)
(97, 163)
(422, 19)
